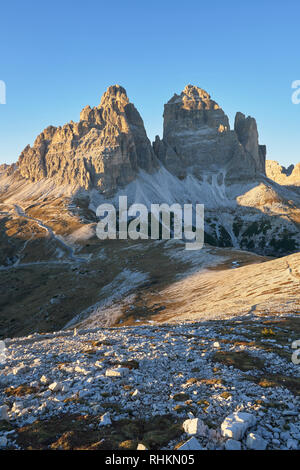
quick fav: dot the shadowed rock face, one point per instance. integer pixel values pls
(197, 138)
(104, 149)
(246, 130)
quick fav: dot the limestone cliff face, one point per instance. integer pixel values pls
(282, 175)
(197, 138)
(108, 146)
(246, 131)
(104, 150)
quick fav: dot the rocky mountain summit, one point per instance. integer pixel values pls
(54, 269)
(198, 160)
(105, 149)
(282, 175)
(197, 138)
(108, 146)
(134, 344)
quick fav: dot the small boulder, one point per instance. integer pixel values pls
(195, 426)
(256, 442)
(236, 424)
(293, 444)
(44, 380)
(105, 420)
(20, 369)
(191, 444)
(231, 444)
(119, 372)
(55, 387)
(3, 412)
(3, 441)
(141, 447)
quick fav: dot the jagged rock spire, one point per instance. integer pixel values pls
(105, 149)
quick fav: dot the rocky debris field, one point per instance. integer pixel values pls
(210, 385)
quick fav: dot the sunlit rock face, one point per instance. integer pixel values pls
(282, 175)
(197, 138)
(107, 148)
(104, 150)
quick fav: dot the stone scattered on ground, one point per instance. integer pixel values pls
(105, 420)
(141, 447)
(158, 386)
(191, 444)
(195, 426)
(232, 444)
(236, 424)
(256, 442)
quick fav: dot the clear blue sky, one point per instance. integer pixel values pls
(56, 57)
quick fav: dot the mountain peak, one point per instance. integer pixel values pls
(193, 97)
(114, 92)
(197, 138)
(195, 91)
(104, 150)
(282, 175)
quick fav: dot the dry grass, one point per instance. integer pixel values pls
(238, 359)
(226, 395)
(130, 364)
(21, 390)
(278, 380)
(181, 397)
(213, 381)
(73, 432)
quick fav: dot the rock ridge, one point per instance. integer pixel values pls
(104, 150)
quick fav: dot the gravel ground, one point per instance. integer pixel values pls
(120, 387)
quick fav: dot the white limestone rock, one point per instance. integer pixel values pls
(55, 387)
(119, 372)
(20, 369)
(256, 442)
(141, 447)
(195, 426)
(105, 420)
(293, 444)
(191, 444)
(232, 444)
(3, 412)
(3, 441)
(236, 424)
(44, 380)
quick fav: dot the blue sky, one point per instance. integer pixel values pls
(56, 57)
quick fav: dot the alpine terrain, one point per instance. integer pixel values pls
(126, 344)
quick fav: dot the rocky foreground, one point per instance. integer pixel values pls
(227, 384)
